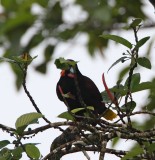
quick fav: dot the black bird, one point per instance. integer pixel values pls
(77, 90)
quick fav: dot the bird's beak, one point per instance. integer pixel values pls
(62, 73)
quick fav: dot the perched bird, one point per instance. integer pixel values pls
(77, 90)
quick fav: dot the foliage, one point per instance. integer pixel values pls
(30, 149)
(79, 136)
(61, 63)
(51, 28)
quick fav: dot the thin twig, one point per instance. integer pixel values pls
(6, 128)
(134, 54)
(51, 125)
(103, 149)
(142, 112)
(30, 97)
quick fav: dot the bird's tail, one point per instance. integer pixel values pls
(109, 115)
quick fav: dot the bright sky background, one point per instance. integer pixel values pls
(42, 87)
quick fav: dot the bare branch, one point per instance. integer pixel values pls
(6, 128)
(29, 95)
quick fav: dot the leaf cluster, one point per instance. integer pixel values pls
(29, 148)
(51, 26)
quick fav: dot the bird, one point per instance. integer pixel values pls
(79, 91)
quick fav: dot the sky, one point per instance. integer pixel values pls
(42, 87)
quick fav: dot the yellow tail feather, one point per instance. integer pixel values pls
(109, 115)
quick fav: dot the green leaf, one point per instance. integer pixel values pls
(17, 153)
(131, 105)
(35, 40)
(151, 147)
(136, 22)
(80, 109)
(26, 119)
(143, 86)
(105, 97)
(4, 143)
(66, 115)
(7, 60)
(69, 95)
(139, 87)
(117, 39)
(144, 62)
(48, 52)
(135, 80)
(141, 42)
(61, 63)
(122, 59)
(149, 46)
(90, 108)
(5, 153)
(16, 21)
(32, 151)
(42, 68)
(115, 141)
(116, 91)
(24, 58)
(137, 151)
(123, 72)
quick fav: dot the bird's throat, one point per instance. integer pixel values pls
(71, 75)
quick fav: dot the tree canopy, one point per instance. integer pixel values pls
(27, 24)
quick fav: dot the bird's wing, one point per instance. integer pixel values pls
(89, 88)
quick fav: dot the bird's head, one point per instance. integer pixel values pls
(71, 69)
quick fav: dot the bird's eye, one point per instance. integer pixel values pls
(71, 70)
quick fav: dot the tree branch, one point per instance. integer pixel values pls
(29, 95)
